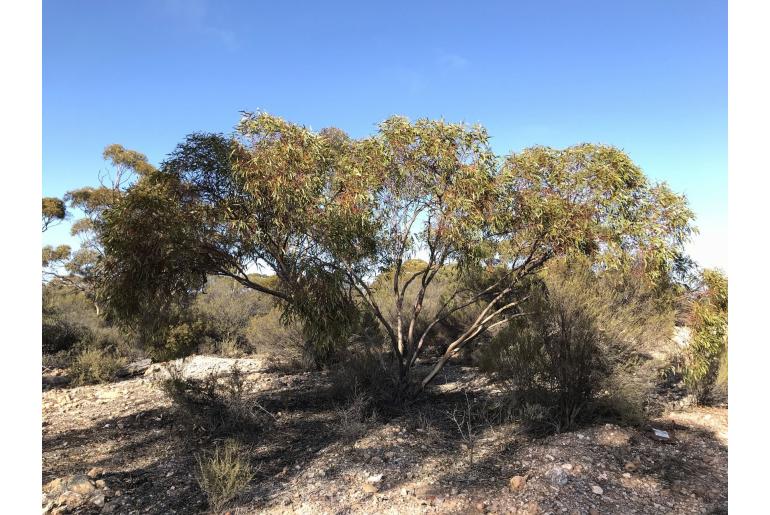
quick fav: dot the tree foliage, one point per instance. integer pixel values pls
(706, 366)
(54, 211)
(327, 213)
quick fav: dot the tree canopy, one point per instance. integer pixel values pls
(54, 211)
(327, 213)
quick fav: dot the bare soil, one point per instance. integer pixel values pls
(308, 461)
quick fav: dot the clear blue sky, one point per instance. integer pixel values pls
(647, 76)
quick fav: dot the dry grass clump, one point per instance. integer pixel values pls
(220, 405)
(354, 417)
(94, 365)
(224, 474)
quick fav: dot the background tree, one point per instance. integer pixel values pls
(54, 212)
(82, 265)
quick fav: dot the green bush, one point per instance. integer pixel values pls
(61, 335)
(705, 371)
(224, 474)
(74, 336)
(225, 308)
(180, 341)
(68, 318)
(285, 342)
(94, 365)
(583, 347)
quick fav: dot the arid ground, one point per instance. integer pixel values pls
(141, 454)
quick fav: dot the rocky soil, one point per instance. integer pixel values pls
(121, 448)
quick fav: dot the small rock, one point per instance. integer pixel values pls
(70, 499)
(370, 488)
(593, 511)
(597, 490)
(55, 486)
(517, 482)
(630, 466)
(626, 475)
(110, 507)
(98, 500)
(557, 476)
(100, 483)
(376, 478)
(95, 472)
(80, 484)
(567, 466)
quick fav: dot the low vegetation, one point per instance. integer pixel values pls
(224, 474)
(706, 356)
(95, 366)
(585, 345)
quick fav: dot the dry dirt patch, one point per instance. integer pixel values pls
(410, 463)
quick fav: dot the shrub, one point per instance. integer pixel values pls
(67, 318)
(229, 348)
(365, 372)
(354, 416)
(285, 342)
(705, 371)
(71, 326)
(218, 404)
(94, 365)
(61, 335)
(583, 346)
(179, 340)
(224, 474)
(225, 308)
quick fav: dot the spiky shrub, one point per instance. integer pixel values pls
(583, 346)
(94, 365)
(706, 361)
(224, 474)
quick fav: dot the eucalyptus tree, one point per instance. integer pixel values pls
(78, 268)
(54, 212)
(327, 213)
